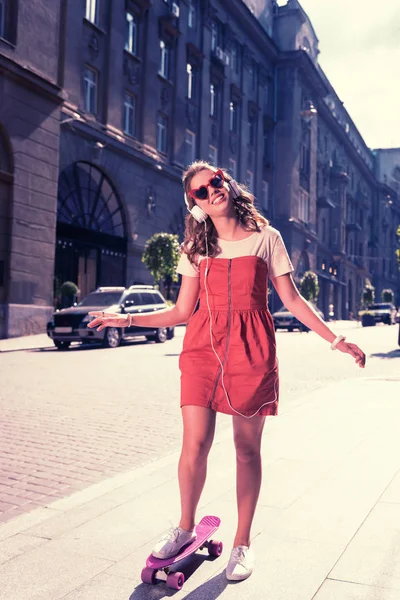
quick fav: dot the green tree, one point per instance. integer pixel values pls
(161, 256)
(309, 287)
(368, 293)
(387, 295)
(68, 293)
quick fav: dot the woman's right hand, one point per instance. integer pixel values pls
(105, 319)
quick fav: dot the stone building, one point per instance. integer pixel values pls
(30, 99)
(103, 104)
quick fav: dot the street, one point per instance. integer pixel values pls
(73, 418)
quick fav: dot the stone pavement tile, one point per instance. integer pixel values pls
(344, 590)
(328, 512)
(18, 544)
(285, 480)
(392, 493)
(47, 572)
(71, 519)
(26, 521)
(104, 587)
(373, 555)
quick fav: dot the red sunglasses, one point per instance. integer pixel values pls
(216, 181)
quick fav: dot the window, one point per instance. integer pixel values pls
(214, 96)
(249, 180)
(266, 149)
(232, 168)
(92, 11)
(265, 195)
(190, 81)
(129, 113)
(252, 75)
(213, 155)
(90, 90)
(233, 117)
(266, 97)
(164, 59)
(192, 14)
(2, 18)
(304, 207)
(131, 33)
(190, 147)
(215, 35)
(162, 125)
(252, 131)
(236, 57)
(305, 154)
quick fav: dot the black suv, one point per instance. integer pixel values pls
(70, 324)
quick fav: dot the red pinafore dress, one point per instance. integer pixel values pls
(242, 328)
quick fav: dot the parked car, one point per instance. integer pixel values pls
(380, 312)
(70, 324)
(284, 319)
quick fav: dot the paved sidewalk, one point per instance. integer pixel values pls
(327, 525)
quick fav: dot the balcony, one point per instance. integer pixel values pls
(324, 200)
(353, 226)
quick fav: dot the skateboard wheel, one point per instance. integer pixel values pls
(215, 548)
(175, 581)
(149, 575)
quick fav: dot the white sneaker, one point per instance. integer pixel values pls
(240, 565)
(172, 542)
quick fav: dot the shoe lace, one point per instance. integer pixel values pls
(171, 535)
(238, 555)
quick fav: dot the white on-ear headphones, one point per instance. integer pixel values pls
(198, 213)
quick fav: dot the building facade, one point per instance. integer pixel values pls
(30, 99)
(100, 116)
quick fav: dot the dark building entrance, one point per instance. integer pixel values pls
(91, 230)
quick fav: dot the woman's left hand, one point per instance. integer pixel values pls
(354, 350)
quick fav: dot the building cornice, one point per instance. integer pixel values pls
(31, 79)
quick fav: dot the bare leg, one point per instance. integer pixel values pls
(247, 437)
(198, 435)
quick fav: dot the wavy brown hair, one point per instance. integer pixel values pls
(195, 242)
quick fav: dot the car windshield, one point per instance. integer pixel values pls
(101, 299)
(379, 306)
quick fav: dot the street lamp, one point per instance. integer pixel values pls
(309, 111)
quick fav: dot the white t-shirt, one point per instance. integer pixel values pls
(267, 244)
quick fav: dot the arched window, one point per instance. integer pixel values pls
(87, 199)
(6, 165)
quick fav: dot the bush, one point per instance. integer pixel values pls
(368, 293)
(387, 295)
(69, 289)
(309, 287)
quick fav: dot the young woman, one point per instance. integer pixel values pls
(228, 362)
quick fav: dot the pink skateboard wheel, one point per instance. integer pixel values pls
(149, 575)
(175, 581)
(215, 548)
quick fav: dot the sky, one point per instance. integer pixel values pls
(359, 43)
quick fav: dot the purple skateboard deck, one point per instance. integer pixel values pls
(175, 580)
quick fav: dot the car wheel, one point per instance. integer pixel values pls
(159, 337)
(170, 333)
(62, 345)
(112, 337)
